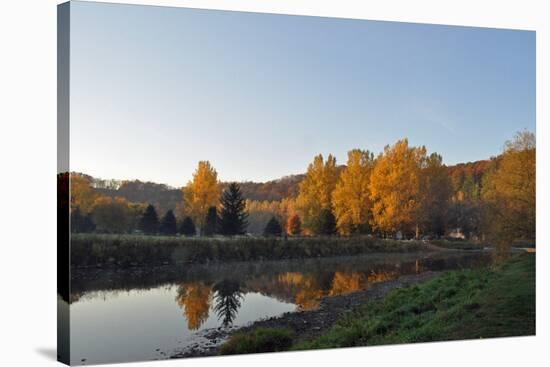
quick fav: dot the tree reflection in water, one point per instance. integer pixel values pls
(194, 298)
(227, 300)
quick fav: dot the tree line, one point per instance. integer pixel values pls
(402, 191)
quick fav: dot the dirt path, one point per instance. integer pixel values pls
(307, 325)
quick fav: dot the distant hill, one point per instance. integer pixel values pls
(274, 190)
(464, 176)
(165, 197)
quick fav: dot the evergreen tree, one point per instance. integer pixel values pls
(168, 224)
(273, 228)
(233, 216)
(187, 227)
(149, 221)
(326, 224)
(210, 226)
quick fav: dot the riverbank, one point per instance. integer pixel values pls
(102, 250)
(465, 304)
(305, 325)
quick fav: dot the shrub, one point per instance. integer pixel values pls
(127, 249)
(259, 340)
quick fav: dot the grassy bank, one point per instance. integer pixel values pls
(129, 250)
(467, 304)
(258, 341)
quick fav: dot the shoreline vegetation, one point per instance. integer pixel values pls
(104, 250)
(404, 192)
(466, 304)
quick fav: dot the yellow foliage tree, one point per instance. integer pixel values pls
(351, 197)
(395, 188)
(195, 299)
(83, 195)
(201, 193)
(316, 190)
(435, 193)
(510, 192)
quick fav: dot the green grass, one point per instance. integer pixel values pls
(464, 304)
(126, 250)
(258, 341)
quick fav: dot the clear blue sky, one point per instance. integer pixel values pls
(156, 89)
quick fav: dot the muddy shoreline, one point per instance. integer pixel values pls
(307, 325)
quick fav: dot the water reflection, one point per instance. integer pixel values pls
(194, 298)
(304, 289)
(209, 296)
(228, 299)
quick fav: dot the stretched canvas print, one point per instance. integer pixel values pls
(233, 182)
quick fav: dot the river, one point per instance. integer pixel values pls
(147, 314)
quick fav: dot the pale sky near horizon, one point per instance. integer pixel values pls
(156, 89)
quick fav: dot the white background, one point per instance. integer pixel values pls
(28, 193)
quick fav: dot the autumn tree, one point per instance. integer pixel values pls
(201, 193)
(273, 228)
(233, 216)
(351, 197)
(168, 224)
(82, 193)
(194, 298)
(210, 226)
(395, 188)
(111, 215)
(315, 191)
(435, 195)
(187, 227)
(149, 222)
(294, 225)
(510, 192)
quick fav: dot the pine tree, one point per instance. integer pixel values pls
(149, 221)
(168, 224)
(326, 223)
(210, 226)
(187, 227)
(273, 228)
(233, 216)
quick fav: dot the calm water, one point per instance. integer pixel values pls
(149, 314)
